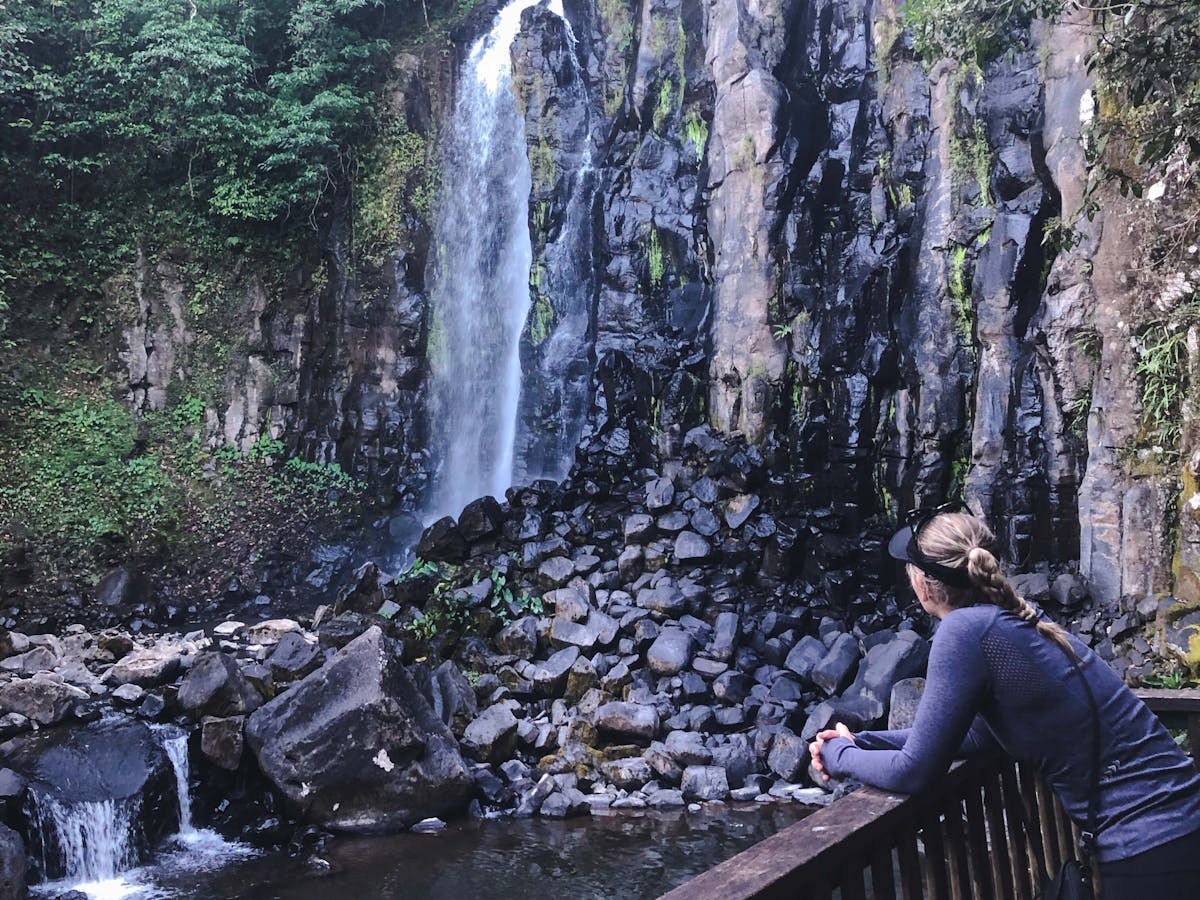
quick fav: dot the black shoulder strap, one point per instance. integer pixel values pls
(1087, 840)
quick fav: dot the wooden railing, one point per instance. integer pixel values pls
(961, 840)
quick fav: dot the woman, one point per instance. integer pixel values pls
(1001, 676)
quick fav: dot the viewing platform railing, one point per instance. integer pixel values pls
(961, 840)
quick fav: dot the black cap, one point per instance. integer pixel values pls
(903, 546)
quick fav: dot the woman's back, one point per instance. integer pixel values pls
(1037, 710)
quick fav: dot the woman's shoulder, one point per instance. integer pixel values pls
(969, 621)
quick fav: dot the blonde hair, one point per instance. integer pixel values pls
(958, 540)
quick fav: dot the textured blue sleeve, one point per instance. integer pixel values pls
(954, 688)
(979, 740)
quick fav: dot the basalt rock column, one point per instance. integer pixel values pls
(745, 44)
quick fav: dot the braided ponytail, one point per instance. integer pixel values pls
(984, 570)
(958, 540)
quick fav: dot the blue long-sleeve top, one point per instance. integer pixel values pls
(994, 681)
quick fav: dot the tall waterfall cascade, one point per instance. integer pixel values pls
(480, 281)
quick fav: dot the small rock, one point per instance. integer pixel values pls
(631, 720)
(670, 653)
(129, 694)
(705, 783)
(222, 741)
(689, 546)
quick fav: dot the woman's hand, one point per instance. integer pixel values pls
(814, 749)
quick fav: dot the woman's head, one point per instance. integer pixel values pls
(951, 564)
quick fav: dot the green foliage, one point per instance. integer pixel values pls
(960, 294)
(1161, 368)
(1077, 413)
(696, 130)
(543, 166)
(1174, 680)
(666, 104)
(319, 479)
(656, 259)
(1147, 58)
(541, 323)
(74, 475)
(970, 154)
(781, 332)
(972, 29)
(418, 568)
(507, 604)
(1087, 342)
(397, 174)
(218, 124)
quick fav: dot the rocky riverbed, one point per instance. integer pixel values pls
(638, 636)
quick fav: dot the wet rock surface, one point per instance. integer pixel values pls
(355, 747)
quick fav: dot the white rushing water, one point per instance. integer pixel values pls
(480, 283)
(97, 842)
(94, 840)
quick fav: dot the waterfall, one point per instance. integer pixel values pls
(177, 752)
(479, 285)
(88, 841)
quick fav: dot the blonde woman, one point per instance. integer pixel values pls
(999, 675)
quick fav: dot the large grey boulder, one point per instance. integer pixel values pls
(904, 656)
(906, 697)
(789, 755)
(550, 677)
(519, 638)
(149, 667)
(355, 746)
(803, 657)
(834, 670)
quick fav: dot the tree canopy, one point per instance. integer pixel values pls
(213, 118)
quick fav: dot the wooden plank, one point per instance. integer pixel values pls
(937, 875)
(1167, 700)
(1020, 855)
(911, 883)
(852, 884)
(999, 840)
(956, 852)
(821, 843)
(1047, 824)
(977, 842)
(884, 876)
(1066, 839)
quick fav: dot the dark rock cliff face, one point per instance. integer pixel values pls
(776, 219)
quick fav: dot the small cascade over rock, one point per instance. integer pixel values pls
(176, 747)
(85, 841)
(480, 278)
(99, 798)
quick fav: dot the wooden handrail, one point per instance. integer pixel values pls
(963, 839)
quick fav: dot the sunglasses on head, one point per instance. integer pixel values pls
(917, 519)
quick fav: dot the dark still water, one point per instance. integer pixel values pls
(628, 855)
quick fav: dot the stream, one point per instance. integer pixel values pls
(627, 855)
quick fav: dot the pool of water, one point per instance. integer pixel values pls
(626, 855)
